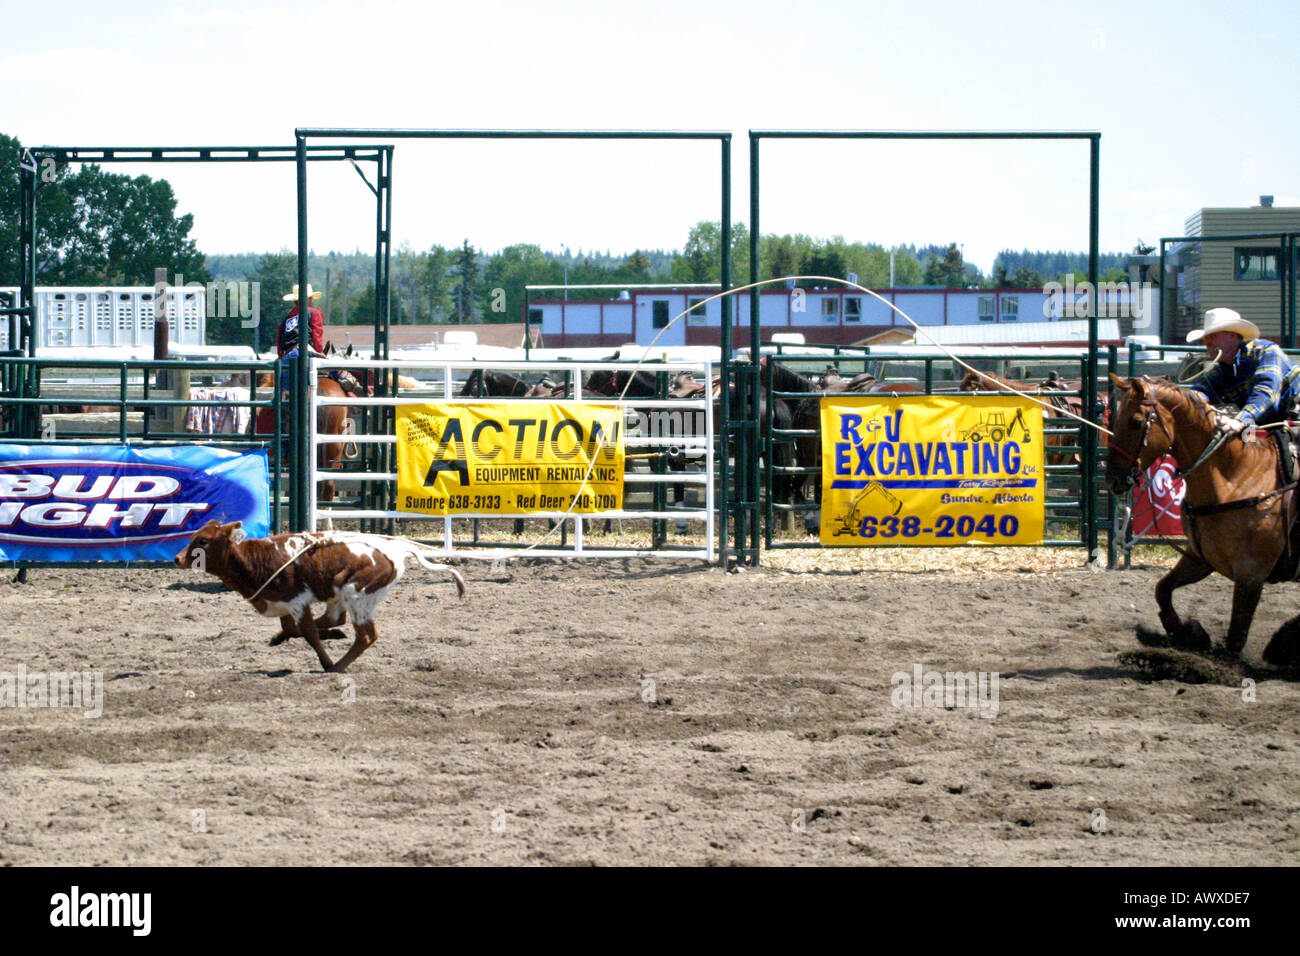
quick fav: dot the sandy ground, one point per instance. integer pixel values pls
(642, 712)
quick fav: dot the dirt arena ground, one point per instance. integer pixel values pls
(642, 712)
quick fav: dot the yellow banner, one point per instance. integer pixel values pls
(929, 471)
(521, 457)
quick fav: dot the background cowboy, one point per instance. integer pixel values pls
(1249, 372)
(288, 335)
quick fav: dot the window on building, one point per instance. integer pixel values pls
(987, 312)
(1254, 265)
(534, 316)
(1010, 308)
(853, 308)
(659, 314)
(695, 315)
(830, 309)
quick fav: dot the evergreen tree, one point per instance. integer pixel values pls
(466, 274)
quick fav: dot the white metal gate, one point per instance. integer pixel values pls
(443, 388)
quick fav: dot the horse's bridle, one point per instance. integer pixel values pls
(1134, 475)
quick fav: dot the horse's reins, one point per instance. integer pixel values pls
(1217, 442)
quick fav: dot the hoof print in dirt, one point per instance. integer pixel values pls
(1192, 638)
(1171, 664)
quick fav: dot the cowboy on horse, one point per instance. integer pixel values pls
(288, 335)
(1249, 372)
(1239, 508)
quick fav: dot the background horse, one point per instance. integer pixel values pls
(1238, 510)
(330, 420)
(988, 382)
(832, 381)
(804, 414)
(483, 383)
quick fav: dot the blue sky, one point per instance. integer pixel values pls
(1186, 96)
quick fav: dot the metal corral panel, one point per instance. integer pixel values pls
(8, 300)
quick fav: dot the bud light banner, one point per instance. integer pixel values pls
(105, 503)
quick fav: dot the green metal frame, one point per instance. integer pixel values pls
(301, 136)
(1092, 406)
(1290, 244)
(23, 318)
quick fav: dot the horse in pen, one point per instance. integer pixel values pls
(799, 410)
(330, 420)
(1057, 410)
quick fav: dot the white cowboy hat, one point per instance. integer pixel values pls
(1225, 320)
(293, 296)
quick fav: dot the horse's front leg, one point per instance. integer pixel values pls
(1245, 598)
(1190, 634)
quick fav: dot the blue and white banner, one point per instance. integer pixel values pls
(104, 503)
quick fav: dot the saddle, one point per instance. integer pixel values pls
(1288, 461)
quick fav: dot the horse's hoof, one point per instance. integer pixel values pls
(279, 639)
(1284, 648)
(1192, 638)
(1150, 637)
(333, 634)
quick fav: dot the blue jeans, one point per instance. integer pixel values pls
(285, 373)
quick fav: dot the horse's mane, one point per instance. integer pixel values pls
(1164, 385)
(976, 381)
(786, 379)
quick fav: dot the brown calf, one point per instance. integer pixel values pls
(285, 574)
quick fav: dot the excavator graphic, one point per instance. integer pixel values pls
(995, 428)
(849, 523)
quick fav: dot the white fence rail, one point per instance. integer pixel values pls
(448, 379)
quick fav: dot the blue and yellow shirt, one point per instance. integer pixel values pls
(1261, 380)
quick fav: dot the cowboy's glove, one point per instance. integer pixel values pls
(1233, 426)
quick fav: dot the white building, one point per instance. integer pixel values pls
(94, 317)
(822, 316)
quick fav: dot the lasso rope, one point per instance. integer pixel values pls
(745, 288)
(343, 537)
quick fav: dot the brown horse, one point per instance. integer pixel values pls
(1238, 509)
(865, 383)
(330, 420)
(804, 414)
(988, 382)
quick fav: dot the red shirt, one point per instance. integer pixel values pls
(286, 337)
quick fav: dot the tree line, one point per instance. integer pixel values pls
(101, 228)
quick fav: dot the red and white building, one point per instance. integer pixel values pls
(822, 316)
